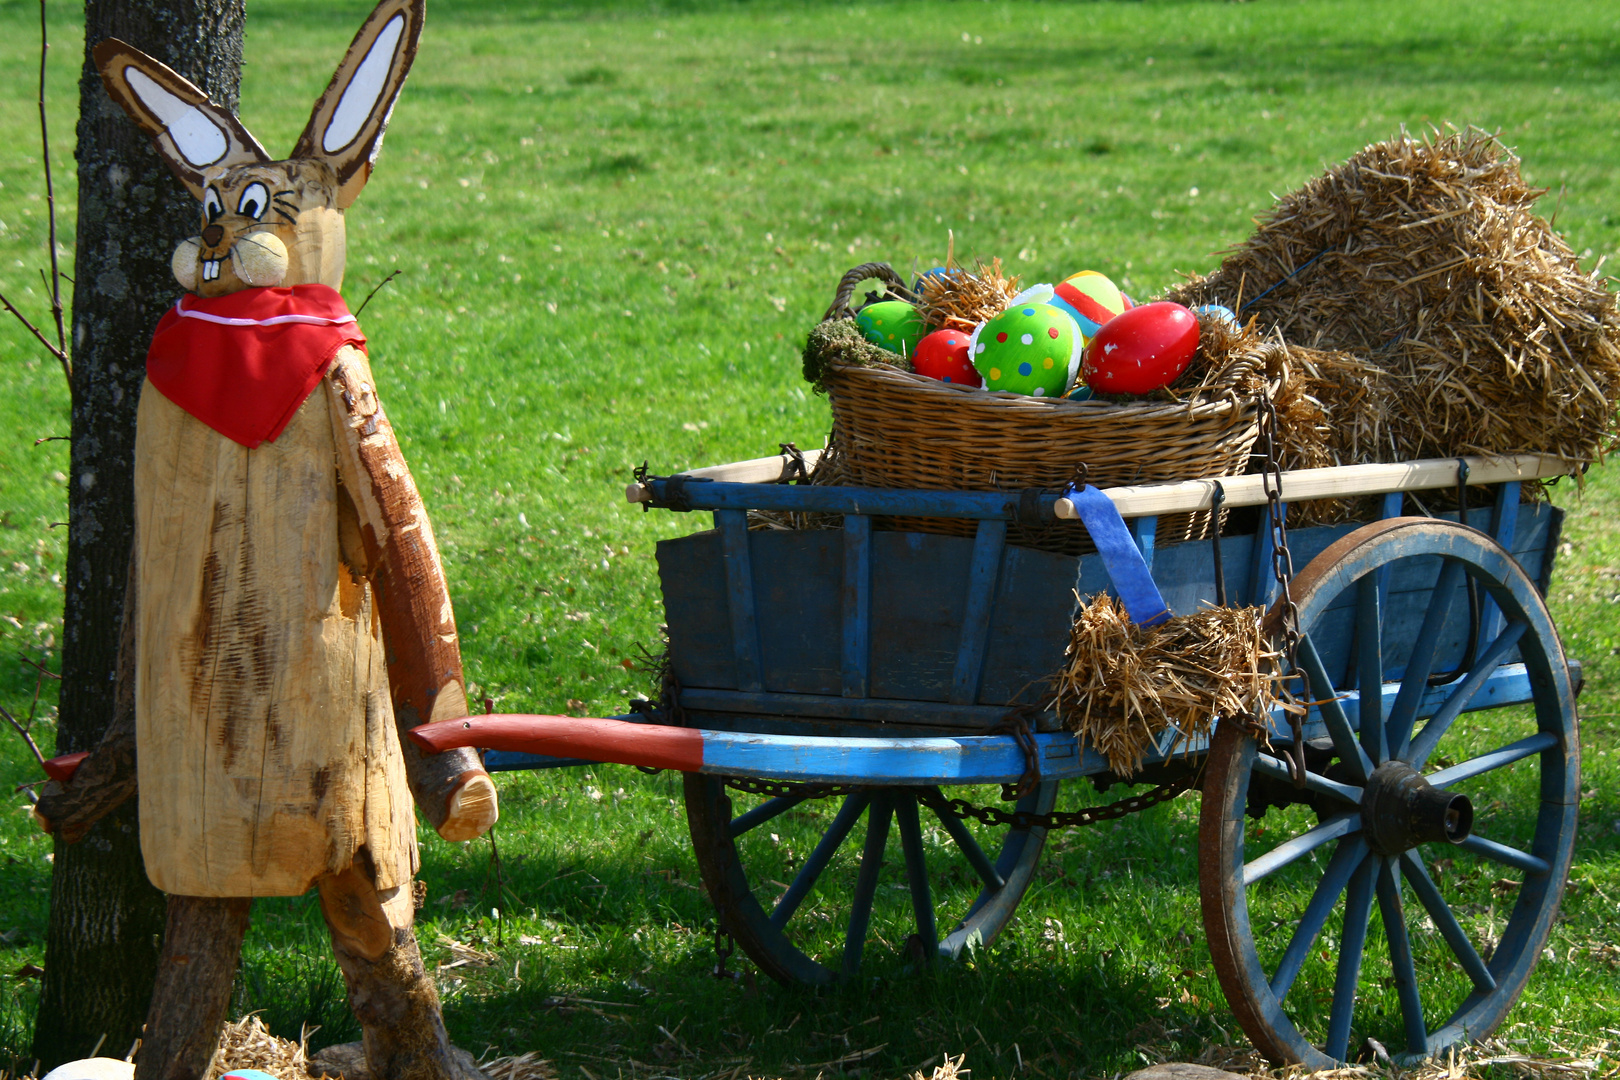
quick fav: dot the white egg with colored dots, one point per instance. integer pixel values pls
(1030, 348)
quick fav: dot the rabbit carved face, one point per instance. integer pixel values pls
(275, 224)
(266, 222)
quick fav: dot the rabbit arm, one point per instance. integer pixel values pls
(391, 542)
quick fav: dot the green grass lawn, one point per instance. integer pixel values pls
(614, 227)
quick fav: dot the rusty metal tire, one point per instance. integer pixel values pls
(1264, 936)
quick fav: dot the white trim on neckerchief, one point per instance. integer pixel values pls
(274, 320)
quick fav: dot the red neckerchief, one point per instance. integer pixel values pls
(243, 363)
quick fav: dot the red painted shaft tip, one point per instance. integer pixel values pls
(61, 769)
(652, 746)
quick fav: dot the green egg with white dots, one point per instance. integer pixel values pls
(892, 324)
(1031, 348)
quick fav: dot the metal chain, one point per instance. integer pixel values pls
(781, 789)
(1282, 567)
(1067, 819)
(988, 815)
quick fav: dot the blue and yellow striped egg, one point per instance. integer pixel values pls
(892, 324)
(1028, 349)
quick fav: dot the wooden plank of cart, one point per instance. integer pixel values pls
(863, 665)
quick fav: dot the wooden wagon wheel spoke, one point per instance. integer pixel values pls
(1425, 650)
(1426, 740)
(866, 883)
(1272, 901)
(1507, 856)
(848, 814)
(976, 880)
(922, 898)
(1298, 847)
(1352, 946)
(1332, 710)
(1370, 667)
(971, 851)
(1456, 938)
(1349, 855)
(1400, 956)
(1489, 762)
(764, 812)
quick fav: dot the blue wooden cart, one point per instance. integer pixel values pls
(864, 665)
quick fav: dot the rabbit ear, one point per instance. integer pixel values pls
(346, 128)
(192, 133)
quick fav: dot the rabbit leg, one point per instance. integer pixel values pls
(389, 990)
(201, 944)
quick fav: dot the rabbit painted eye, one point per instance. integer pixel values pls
(212, 206)
(254, 201)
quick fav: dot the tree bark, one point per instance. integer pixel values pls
(106, 920)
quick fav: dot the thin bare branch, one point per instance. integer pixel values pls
(62, 357)
(374, 291)
(50, 201)
(23, 731)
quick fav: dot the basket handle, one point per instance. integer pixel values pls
(840, 308)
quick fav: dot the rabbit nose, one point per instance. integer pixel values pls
(213, 234)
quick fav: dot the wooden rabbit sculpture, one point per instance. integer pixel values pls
(290, 607)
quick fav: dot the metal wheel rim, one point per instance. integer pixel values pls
(1232, 762)
(743, 915)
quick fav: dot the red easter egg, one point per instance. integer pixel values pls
(1140, 350)
(943, 355)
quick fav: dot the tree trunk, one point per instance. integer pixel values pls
(106, 920)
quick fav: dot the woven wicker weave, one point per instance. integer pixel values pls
(893, 429)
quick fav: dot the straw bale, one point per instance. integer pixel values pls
(1123, 685)
(1441, 315)
(248, 1044)
(954, 299)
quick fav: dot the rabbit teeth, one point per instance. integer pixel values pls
(210, 270)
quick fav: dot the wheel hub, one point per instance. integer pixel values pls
(1401, 810)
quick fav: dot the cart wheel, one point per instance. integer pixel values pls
(1393, 815)
(808, 918)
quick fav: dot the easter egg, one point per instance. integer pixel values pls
(1029, 349)
(1217, 311)
(938, 273)
(943, 355)
(1142, 349)
(1090, 299)
(891, 324)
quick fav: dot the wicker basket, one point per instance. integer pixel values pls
(895, 429)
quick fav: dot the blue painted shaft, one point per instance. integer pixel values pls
(1352, 946)
(1415, 680)
(733, 525)
(1338, 724)
(857, 656)
(866, 882)
(1300, 846)
(764, 812)
(982, 574)
(1400, 958)
(848, 814)
(922, 898)
(1495, 759)
(1262, 578)
(1450, 929)
(1507, 856)
(1370, 666)
(1346, 857)
(1463, 693)
(957, 830)
(1504, 526)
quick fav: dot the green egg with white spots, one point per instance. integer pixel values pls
(892, 324)
(1030, 349)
